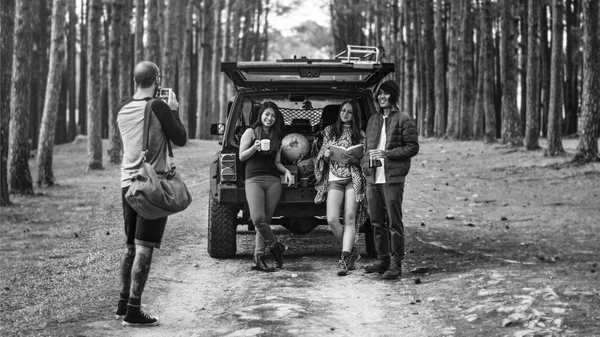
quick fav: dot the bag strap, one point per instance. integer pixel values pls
(147, 111)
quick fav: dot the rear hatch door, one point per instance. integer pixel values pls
(305, 73)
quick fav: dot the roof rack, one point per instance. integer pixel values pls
(359, 54)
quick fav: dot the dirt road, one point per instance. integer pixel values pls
(195, 295)
(500, 243)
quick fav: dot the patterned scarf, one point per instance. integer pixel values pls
(339, 170)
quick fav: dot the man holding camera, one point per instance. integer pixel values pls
(391, 141)
(143, 235)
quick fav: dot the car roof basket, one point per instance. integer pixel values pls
(359, 54)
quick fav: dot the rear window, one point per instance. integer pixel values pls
(306, 114)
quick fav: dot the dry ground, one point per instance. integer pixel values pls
(500, 242)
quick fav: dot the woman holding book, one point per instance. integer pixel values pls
(340, 180)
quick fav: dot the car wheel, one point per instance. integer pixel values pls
(221, 229)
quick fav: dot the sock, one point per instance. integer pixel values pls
(134, 302)
(124, 296)
(345, 253)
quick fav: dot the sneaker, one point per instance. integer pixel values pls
(395, 269)
(354, 257)
(261, 263)
(137, 317)
(277, 249)
(343, 264)
(121, 308)
(378, 267)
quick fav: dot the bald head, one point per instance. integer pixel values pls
(145, 73)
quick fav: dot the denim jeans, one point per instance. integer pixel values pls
(386, 199)
(262, 194)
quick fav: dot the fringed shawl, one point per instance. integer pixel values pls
(355, 172)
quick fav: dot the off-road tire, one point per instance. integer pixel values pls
(221, 229)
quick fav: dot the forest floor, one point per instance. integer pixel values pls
(500, 242)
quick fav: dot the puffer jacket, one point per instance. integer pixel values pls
(402, 143)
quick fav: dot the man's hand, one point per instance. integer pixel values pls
(172, 101)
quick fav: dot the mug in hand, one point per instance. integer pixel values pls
(265, 144)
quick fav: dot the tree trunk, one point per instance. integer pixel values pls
(71, 70)
(545, 70)
(19, 176)
(126, 52)
(7, 11)
(41, 39)
(453, 93)
(105, 71)
(153, 47)
(140, 7)
(511, 131)
(467, 76)
(409, 59)
(488, 73)
(265, 37)
(523, 24)
(429, 47)
(224, 57)
(94, 86)
(215, 69)
(555, 112)
(83, 65)
(571, 95)
(115, 144)
(53, 87)
(440, 71)
(532, 129)
(204, 119)
(185, 73)
(170, 50)
(587, 149)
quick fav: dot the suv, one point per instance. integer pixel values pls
(308, 92)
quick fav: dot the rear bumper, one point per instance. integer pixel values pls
(297, 202)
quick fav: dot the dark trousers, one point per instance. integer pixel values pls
(386, 199)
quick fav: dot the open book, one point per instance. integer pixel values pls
(338, 153)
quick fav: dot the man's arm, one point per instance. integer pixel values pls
(170, 122)
(410, 138)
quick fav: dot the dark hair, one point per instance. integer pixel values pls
(276, 129)
(338, 127)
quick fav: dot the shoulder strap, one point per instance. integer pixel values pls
(147, 111)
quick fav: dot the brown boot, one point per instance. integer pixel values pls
(395, 269)
(378, 267)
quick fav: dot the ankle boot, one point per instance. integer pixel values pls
(395, 269)
(379, 267)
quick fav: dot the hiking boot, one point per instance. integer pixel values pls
(395, 269)
(378, 267)
(354, 257)
(343, 265)
(261, 263)
(137, 317)
(121, 308)
(277, 249)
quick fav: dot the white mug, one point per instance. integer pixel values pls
(265, 144)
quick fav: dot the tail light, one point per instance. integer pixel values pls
(228, 167)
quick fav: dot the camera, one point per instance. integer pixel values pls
(164, 94)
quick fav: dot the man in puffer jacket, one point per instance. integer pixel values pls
(391, 142)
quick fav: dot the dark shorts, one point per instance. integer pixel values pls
(340, 185)
(140, 231)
